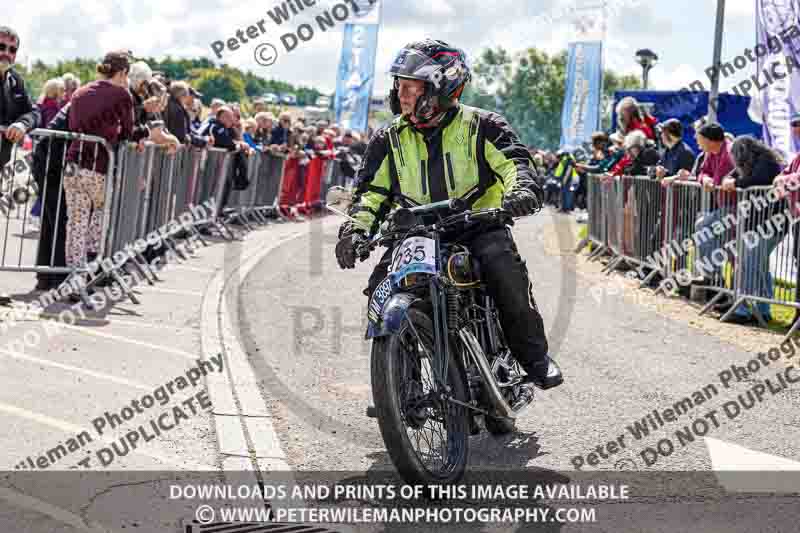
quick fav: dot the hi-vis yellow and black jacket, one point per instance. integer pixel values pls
(474, 155)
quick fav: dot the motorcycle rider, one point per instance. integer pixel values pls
(436, 149)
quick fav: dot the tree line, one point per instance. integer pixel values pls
(526, 87)
(229, 83)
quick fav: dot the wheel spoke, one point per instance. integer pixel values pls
(427, 420)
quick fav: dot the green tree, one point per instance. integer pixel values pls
(528, 89)
(218, 83)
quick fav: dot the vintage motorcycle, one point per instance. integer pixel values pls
(440, 366)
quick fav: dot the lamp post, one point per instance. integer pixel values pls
(647, 59)
(714, 93)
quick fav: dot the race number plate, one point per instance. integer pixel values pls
(416, 254)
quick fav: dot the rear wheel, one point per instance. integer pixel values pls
(426, 436)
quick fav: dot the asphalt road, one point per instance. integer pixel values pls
(301, 324)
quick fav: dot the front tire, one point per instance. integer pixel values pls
(500, 426)
(402, 380)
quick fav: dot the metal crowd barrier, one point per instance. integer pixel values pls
(150, 195)
(685, 204)
(766, 269)
(257, 202)
(613, 201)
(596, 223)
(712, 260)
(738, 244)
(148, 192)
(39, 174)
(637, 226)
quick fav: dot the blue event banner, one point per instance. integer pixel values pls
(356, 75)
(581, 113)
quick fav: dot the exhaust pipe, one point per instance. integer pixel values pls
(495, 394)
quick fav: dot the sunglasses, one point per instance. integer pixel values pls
(796, 124)
(4, 47)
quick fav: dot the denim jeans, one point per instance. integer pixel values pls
(756, 277)
(705, 248)
(567, 196)
(754, 262)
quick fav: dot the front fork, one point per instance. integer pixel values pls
(441, 328)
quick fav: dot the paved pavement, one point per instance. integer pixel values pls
(302, 325)
(74, 392)
(287, 326)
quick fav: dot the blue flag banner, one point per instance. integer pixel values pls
(357, 69)
(777, 32)
(581, 113)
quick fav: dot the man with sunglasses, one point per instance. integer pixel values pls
(17, 111)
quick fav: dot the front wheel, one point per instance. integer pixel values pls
(500, 426)
(426, 437)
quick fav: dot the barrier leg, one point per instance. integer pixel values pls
(609, 268)
(223, 229)
(648, 278)
(196, 235)
(759, 316)
(124, 286)
(174, 247)
(133, 261)
(712, 303)
(596, 253)
(792, 330)
(733, 308)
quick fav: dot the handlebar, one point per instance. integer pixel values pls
(464, 217)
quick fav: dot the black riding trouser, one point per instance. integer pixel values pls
(506, 276)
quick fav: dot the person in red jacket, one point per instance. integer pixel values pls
(631, 117)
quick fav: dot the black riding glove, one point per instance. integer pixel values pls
(349, 239)
(521, 202)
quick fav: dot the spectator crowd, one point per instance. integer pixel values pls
(641, 146)
(130, 102)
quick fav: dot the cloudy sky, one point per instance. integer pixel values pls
(680, 31)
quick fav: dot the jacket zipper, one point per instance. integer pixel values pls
(450, 171)
(423, 174)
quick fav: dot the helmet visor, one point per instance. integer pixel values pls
(414, 64)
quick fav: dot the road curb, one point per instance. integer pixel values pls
(245, 435)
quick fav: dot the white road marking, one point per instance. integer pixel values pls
(72, 429)
(88, 331)
(112, 320)
(147, 289)
(78, 370)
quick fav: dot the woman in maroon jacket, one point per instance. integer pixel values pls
(103, 108)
